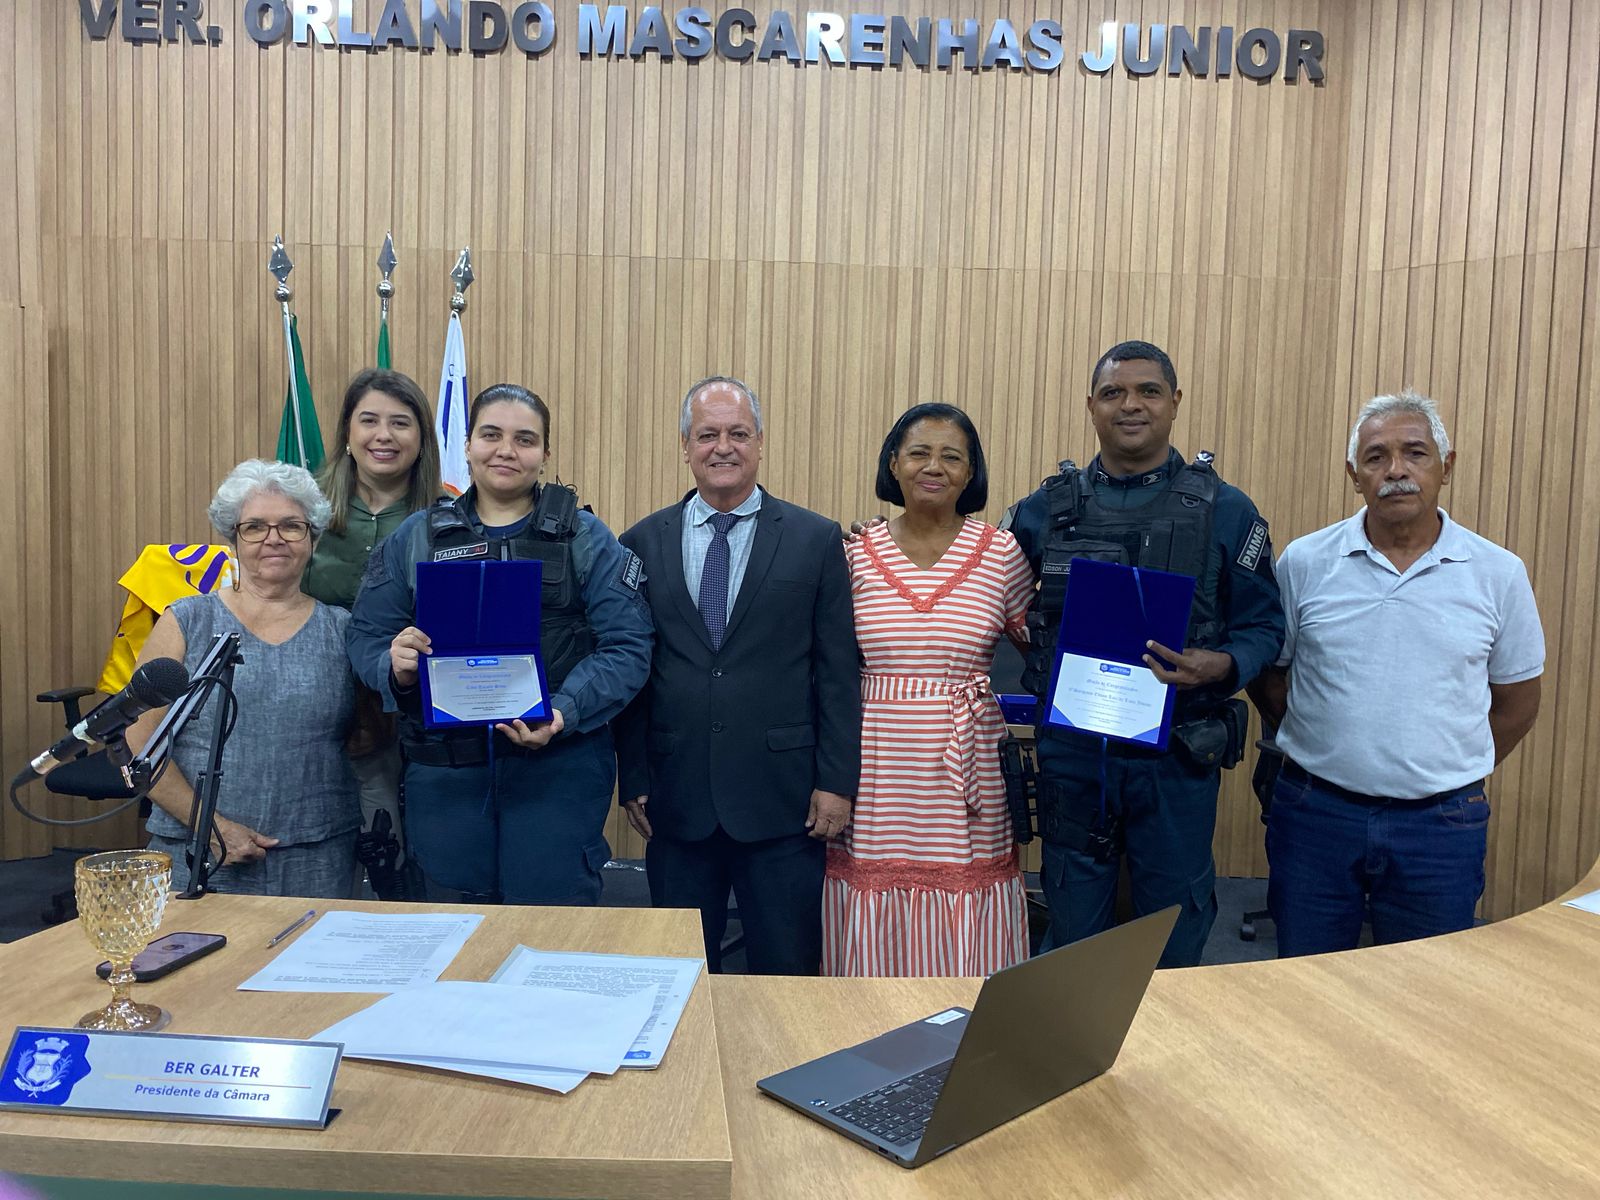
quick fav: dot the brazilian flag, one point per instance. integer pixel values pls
(299, 435)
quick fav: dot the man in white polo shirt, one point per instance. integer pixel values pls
(1409, 670)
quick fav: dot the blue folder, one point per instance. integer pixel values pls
(483, 609)
(1109, 613)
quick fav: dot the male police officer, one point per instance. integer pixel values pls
(1139, 503)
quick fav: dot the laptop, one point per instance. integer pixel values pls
(1037, 1029)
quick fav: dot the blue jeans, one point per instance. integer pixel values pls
(1417, 863)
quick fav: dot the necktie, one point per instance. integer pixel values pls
(714, 579)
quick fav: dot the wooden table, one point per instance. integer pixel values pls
(1463, 1066)
(402, 1130)
(1466, 1065)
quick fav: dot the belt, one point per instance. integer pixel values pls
(970, 706)
(1295, 773)
(459, 751)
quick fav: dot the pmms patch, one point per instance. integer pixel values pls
(1250, 557)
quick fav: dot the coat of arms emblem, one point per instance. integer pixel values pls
(44, 1068)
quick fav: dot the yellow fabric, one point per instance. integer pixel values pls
(160, 575)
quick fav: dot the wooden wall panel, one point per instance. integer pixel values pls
(852, 242)
(1481, 306)
(29, 595)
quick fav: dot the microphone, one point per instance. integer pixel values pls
(160, 681)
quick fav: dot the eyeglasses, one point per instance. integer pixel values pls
(256, 531)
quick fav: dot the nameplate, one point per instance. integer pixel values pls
(160, 1076)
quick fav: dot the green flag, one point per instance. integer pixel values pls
(299, 435)
(383, 343)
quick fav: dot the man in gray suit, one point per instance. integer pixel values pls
(741, 755)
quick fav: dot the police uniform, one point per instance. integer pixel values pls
(1099, 799)
(483, 815)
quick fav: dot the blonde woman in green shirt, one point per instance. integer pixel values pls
(384, 467)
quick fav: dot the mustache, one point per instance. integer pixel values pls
(1399, 487)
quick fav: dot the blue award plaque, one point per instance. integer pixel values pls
(1100, 685)
(483, 619)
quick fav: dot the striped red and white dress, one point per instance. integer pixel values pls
(926, 879)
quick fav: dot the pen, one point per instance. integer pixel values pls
(309, 913)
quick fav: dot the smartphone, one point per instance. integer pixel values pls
(166, 954)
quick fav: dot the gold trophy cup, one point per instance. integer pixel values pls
(121, 896)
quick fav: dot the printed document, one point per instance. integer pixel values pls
(484, 687)
(550, 1078)
(366, 952)
(668, 980)
(488, 1028)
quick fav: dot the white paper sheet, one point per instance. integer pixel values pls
(1097, 695)
(366, 952)
(670, 980)
(491, 1026)
(550, 1078)
(484, 687)
(1589, 903)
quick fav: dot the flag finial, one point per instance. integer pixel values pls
(280, 266)
(462, 274)
(387, 262)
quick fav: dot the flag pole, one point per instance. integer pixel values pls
(386, 264)
(280, 266)
(450, 422)
(461, 273)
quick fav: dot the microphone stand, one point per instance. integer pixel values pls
(215, 672)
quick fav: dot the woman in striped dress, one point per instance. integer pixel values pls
(926, 880)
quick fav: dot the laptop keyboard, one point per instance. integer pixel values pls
(899, 1112)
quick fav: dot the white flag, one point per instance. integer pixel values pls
(450, 414)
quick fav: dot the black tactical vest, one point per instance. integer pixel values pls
(1172, 532)
(564, 634)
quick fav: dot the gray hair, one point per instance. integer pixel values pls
(257, 475)
(1408, 401)
(684, 420)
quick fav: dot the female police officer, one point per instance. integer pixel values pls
(515, 813)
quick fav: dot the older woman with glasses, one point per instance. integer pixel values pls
(287, 813)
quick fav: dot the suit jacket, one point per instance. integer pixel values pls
(740, 736)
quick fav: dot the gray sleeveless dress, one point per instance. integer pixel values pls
(284, 771)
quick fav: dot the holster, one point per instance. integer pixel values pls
(1216, 742)
(1265, 777)
(378, 850)
(1016, 768)
(1101, 841)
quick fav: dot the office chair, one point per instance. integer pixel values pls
(93, 777)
